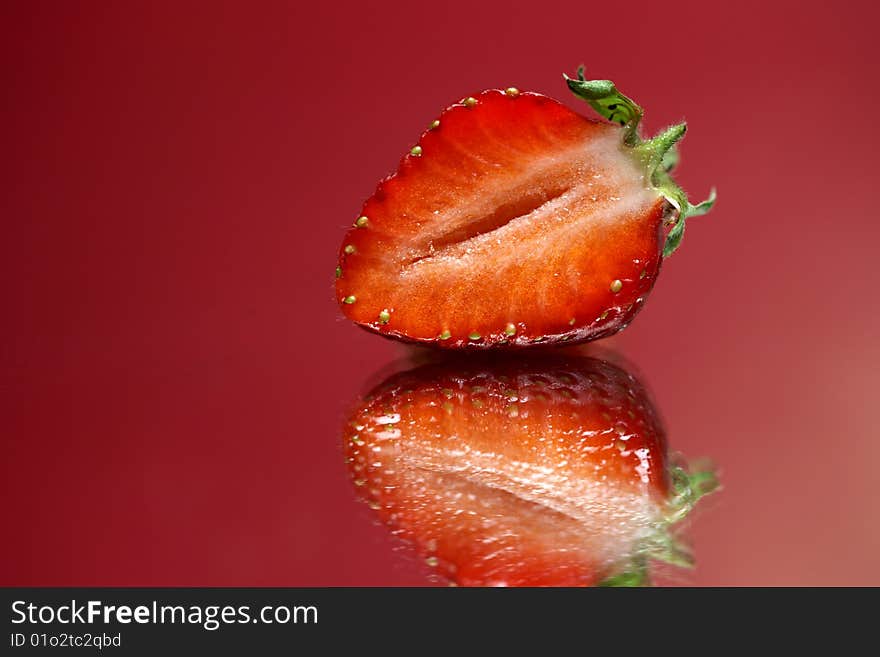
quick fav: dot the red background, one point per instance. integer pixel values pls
(176, 180)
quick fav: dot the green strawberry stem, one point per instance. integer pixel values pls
(687, 489)
(658, 154)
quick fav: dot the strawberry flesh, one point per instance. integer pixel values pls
(517, 221)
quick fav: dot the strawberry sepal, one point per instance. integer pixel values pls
(684, 209)
(688, 487)
(635, 575)
(609, 103)
(659, 154)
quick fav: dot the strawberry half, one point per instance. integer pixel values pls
(517, 221)
(540, 472)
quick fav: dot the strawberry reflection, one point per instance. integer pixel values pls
(541, 471)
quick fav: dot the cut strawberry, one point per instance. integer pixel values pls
(516, 221)
(550, 472)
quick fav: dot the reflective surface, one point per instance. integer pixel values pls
(176, 182)
(524, 470)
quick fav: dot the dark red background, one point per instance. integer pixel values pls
(176, 180)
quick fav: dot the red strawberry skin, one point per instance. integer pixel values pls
(515, 221)
(541, 472)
